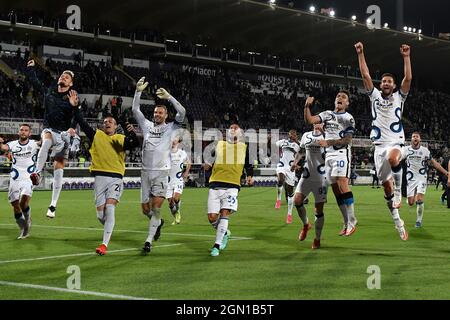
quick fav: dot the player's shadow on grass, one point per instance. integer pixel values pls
(421, 234)
(268, 233)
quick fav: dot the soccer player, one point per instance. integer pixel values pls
(387, 130)
(374, 179)
(285, 177)
(312, 180)
(60, 105)
(417, 159)
(230, 157)
(339, 127)
(24, 152)
(178, 172)
(108, 167)
(158, 136)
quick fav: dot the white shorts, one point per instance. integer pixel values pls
(318, 188)
(288, 174)
(19, 188)
(222, 199)
(60, 143)
(174, 187)
(154, 184)
(107, 188)
(382, 165)
(337, 164)
(415, 186)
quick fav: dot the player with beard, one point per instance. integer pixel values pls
(285, 177)
(24, 152)
(339, 127)
(418, 159)
(387, 130)
(158, 136)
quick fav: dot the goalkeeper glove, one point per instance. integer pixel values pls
(141, 85)
(163, 94)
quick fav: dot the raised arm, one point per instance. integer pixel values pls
(31, 71)
(85, 127)
(363, 68)
(136, 108)
(181, 111)
(309, 118)
(405, 51)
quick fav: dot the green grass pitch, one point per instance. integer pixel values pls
(265, 260)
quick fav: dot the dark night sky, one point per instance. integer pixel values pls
(432, 16)
(429, 15)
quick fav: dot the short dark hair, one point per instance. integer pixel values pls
(345, 92)
(109, 116)
(25, 125)
(387, 74)
(416, 132)
(161, 106)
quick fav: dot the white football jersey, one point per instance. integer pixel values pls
(417, 162)
(177, 160)
(288, 151)
(157, 138)
(337, 126)
(24, 157)
(157, 145)
(387, 127)
(314, 168)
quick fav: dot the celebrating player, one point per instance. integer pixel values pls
(60, 104)
(158, 136)
(387, 130)
(230, 157)
(312, 180)
(178, 173)
(286, 178)
(24, 153)
(108, 167)
(339, 127)
(417, 159)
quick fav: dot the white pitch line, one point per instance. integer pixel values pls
(82, 254)
(129, 231)
(91, 293)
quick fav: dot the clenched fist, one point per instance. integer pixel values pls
(309, 102)
(359, 47)
(405, 50)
